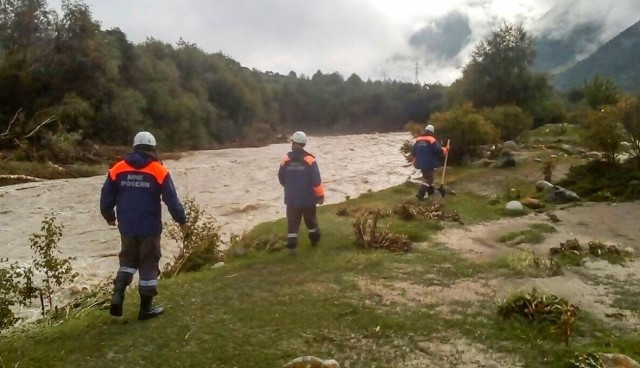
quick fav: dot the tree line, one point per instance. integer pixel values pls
(67, 85)
(98, 87)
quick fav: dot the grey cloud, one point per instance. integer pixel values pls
(353, 36)
(444, 37)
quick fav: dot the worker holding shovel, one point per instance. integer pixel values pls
(427, 156)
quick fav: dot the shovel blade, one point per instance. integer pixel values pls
(442, 190)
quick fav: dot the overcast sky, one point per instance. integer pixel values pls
(376, 39)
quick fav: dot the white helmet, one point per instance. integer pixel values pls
(299, 137)
(429, 128)
(144, 138)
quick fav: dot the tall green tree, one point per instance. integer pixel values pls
(600, 92)
(500, 71)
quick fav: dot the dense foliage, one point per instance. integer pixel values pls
(95, 86)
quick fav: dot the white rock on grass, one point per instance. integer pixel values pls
(514, 206)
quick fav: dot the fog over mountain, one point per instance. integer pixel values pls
(376, 39)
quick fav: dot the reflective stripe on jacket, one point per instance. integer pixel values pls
(300, 176)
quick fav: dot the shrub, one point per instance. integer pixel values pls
(466, 128)
(601, 131)
(368, 236)
(629, 115)
(549, 112)
(620, 180)
(199, 242)
(414, 128)
(541, 308)
(510, 120)
(57, 271)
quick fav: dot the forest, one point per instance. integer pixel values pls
(69, 88)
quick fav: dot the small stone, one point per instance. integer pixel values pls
(218, 265)
(532, 203)
(514, 206)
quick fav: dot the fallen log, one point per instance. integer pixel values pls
(20, 177)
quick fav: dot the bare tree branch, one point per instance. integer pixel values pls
(11, 123)
(50, 119)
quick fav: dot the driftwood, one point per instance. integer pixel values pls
(20, 177)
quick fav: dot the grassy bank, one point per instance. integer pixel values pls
(362, 308)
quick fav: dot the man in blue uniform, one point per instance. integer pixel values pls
(427, 155)
(303, 190)
(135, 186)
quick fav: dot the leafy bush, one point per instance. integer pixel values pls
(19, 284)
(414, 128)
(199, 242)
(549, 112)
(591, 180)
(629, 115)
(601, 131)
(467, 129)
(510, 120)
(57, 271)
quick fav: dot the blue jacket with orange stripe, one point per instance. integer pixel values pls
(300, 176)
(427, 153)
(134, 186)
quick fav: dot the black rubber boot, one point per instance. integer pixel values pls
(314, 238)
(117, 300)
(431, 190)
(148, 310)
(421, 192)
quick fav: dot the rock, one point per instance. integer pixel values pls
(542, 186)
(562, 195)
(506, 159)
(514, 206)
(510, 145)
(618, 361)
(537, 159)
(218, 265)
(629, 251)
(311, 362)
(485, 162)
(532, 203)
(571, 150)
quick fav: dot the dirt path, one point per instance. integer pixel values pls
(597, 286)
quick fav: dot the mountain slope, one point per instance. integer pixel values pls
(618, 59)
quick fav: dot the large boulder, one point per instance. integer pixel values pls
(544, 186)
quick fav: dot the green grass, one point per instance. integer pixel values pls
(533, 235)
(264, 309)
